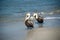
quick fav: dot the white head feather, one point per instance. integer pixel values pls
(27, 16)
(35, 14)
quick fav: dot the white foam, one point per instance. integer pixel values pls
(52, 18)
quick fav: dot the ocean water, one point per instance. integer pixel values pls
(21, 7)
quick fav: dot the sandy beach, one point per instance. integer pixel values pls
(44, 34)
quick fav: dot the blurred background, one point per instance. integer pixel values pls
(12, 14)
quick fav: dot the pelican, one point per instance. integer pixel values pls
(28, 21)
(38, 18)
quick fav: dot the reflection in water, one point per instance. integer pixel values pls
(40, 25)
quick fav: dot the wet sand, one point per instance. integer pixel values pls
(43, 34)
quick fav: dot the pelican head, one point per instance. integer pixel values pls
(27, 16)
(35, 15)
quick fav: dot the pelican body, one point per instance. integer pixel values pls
(28, 21)
(38, 18)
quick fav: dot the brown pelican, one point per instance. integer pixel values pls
(38, 18)
(28, 21)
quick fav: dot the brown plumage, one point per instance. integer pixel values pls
(40, 20)
(28, 23)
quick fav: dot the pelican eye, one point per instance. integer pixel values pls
(27, 16)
